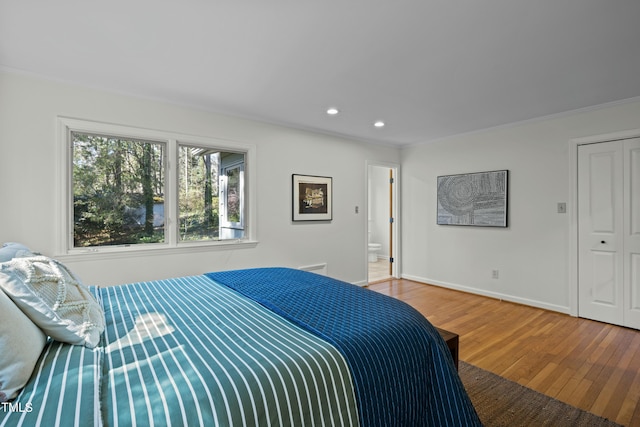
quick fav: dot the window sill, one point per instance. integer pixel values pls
(120, 252)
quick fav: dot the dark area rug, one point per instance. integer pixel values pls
(500, 402)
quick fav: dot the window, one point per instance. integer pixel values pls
(123, 194)
(232, 187)
(211, 194)
(118, 190)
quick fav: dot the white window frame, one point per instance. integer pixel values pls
(224, 189)
(64, 220)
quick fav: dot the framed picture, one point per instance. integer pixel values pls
(474, 199)
(311, 198)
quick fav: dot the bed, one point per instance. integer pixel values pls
(258, 347)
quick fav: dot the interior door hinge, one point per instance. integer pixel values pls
(391, 259)
(391, 220)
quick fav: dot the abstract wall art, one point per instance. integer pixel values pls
(473, 199)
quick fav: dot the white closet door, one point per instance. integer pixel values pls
(600, 232)
(632, 232)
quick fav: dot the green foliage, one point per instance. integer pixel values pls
(198, 193)
(113, 180)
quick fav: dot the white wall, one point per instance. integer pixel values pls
(28, 110)
(532, 254)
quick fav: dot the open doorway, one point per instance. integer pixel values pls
(382, 222)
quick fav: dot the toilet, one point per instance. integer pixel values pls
(374, 248)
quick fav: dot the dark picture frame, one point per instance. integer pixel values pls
(311, 198)
(478, 199)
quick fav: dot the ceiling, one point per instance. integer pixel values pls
(427, 68)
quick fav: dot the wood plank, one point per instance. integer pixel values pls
(588, 364)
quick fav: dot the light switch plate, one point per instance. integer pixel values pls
(562, 207)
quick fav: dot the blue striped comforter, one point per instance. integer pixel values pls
(188, 352)
(402, 369)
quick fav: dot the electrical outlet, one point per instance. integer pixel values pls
(495, 274)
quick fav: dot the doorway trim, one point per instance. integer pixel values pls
(573, 206)
(395, 205)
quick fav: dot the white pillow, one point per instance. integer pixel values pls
(21, 343)
(10, 250)
(54, 299)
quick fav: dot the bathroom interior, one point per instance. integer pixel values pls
(379, 231)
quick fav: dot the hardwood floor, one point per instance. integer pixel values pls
(591, 365)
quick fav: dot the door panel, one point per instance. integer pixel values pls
(633, 147)
(635, 280)
(603, 272)
(602, 183)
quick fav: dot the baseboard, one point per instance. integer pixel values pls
(495, 295)
(320, 268)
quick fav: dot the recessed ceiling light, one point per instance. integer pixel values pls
(379, 124)
(332, 111)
